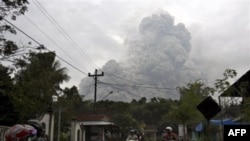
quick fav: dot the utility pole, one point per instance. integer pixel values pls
(95, 78)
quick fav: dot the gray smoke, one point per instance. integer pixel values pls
(157, 62)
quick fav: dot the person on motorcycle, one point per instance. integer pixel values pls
(132, 136)
(41, 136)
(140, 135)
(31, 131)
(169, 135)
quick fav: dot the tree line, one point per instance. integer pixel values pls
(30, 76)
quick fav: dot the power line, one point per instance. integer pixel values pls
(95, 78)
(122, 78)
(46, 35)
(138, 86)
(43, 46)
(137, 83)
(128, 92)
(22, 32)
(63, 32)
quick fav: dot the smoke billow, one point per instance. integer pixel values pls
(157, 62)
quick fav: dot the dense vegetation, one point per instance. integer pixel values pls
(34, 77)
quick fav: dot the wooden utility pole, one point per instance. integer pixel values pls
(95, 78)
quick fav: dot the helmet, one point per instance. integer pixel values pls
(20, 132)
(169, 128)
(132, 131)
(37, 125)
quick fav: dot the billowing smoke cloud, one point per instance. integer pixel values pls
(157, 62)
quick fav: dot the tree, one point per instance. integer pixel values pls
(12, 53)
(186, 112)
(70, 102)
(239, 89)
(126, 121)
(246, 110)
(66, 106)
(37, 81)
(223, 84)
(12, 9)
(8, 114)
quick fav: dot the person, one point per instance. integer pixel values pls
(140, 135)
(20, 132)
(132, 135)
(30, 131)
(169, 135)
(164, 132)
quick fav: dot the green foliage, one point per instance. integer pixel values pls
(9, 48)
(9, 8)
(186, 112)
(125, 121)
(8, 114)
(246, 110)
(67, 105)
(137, 114)
(70, 102)
(191, 95)
(13, 8)
(222, 84)
(36, 82)
(245, 104)
(197, 88)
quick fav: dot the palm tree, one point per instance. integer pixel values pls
(37, 82)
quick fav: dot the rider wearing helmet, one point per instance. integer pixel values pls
(140, 135)
(169, 135)
(20, 132)
(40, 130)
(132, 135)
(31, 131)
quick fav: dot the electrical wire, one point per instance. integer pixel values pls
(128, 92)
(47, 36)
(44, 46)
(63, 32)
(122, 78)
(137, 86)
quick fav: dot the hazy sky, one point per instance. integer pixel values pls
(94, 31)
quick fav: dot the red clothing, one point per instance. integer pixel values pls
(170, 136)
(19, 132)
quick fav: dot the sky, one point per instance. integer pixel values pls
(89, 33)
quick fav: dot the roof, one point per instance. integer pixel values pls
(98, 123)
(235, 89)
(95, 120)
(93, 117)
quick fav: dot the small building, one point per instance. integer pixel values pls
(97, 126)
(236, 95)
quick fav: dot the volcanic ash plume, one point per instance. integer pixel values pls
(158, 62)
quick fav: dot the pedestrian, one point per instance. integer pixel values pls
(169, 135)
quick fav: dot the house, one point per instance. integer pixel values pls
(236, 95)
(240, 88)
(98, 126)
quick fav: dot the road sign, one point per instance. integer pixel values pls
(209, 108)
